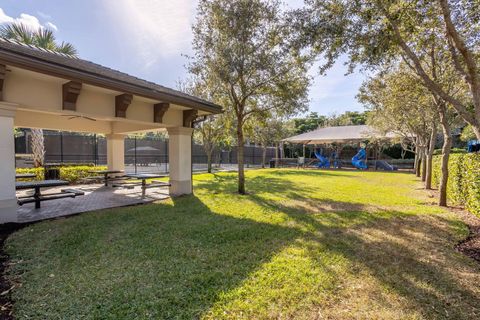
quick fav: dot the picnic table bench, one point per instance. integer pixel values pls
(143, 177)
(25, 175)
(106, 175)
(38, 197)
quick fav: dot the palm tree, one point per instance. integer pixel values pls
(42, 38)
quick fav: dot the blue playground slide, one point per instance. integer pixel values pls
(323, 162)
(382, 164)
(358, 160)
(473, 146)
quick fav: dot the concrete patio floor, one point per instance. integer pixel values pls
(96, 197)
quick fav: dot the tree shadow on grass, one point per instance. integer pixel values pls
(412, 256)
(156, 261)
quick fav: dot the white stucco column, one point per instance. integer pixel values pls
(180, 160)
(8, 200)
(115, 151)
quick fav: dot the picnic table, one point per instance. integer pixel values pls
(25, 175)
(38, 197)
(106, 174)
(143, 177)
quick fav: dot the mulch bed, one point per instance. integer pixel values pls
(6, 303)
(471, 245)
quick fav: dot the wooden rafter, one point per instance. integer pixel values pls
(159, 110)
(188, 117)
(71, 91)
(121, 104)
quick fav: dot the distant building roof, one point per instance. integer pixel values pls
(340, 134)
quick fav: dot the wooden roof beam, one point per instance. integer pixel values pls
(159, 110)
(121, 104)
(71, 91)
(188, 117)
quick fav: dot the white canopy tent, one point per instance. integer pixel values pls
(340, 134)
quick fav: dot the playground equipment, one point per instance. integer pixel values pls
(382, 164)
(336, 161)
(323, 162)
(473, 146)
(359, 160)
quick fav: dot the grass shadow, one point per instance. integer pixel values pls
(155, 261)
(422, 270)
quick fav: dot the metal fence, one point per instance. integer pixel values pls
(145, 154)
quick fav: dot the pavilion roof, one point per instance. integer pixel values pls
(70, 67)
(340, 134)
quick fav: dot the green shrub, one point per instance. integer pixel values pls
(37, 171)
(454, 150)
(471, 182)
(74, 173)
(463, 187)
(69, 173)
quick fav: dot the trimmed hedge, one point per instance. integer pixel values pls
(69, 173)
(463, 186)
(454, 150)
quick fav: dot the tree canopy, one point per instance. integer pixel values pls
(375, 33)
(240, 53)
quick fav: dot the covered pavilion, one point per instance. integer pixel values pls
(341, 135)
(48, 90)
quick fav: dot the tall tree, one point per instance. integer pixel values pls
(43, 38)
(311, 122)
(399, 103)
(348, 118)
(402, 103)
(210, 132)
(374, 32)
(239, 49)
(268, 130)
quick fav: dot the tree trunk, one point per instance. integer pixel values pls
(264, 156)
(240, 157)
(424, 165)
(447, 145)
(416, 162)
(418, 172)
(431, 148)
(38, 147)
(209, 162)
(476, 131)
(276, 155)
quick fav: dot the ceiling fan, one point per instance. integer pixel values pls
(70, 117)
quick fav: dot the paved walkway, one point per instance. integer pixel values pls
(96, 197)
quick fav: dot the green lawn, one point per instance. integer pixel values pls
(303, 244)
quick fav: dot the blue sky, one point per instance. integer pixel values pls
(148, 38)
